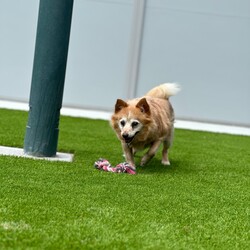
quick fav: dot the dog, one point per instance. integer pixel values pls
(146, 122)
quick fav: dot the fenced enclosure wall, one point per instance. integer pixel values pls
(121, 49)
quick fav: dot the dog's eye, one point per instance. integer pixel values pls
(122, 123)
(134, 124)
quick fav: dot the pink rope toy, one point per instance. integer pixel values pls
(103, 164)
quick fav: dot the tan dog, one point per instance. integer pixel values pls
(146, 122)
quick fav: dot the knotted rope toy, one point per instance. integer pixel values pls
(104, 165)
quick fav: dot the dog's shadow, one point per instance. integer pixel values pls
(156, 167)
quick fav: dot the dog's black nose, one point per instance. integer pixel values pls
(125, 136)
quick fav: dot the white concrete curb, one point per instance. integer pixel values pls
(18, 152)
(190, 125)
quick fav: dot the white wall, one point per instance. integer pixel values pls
(98, 53)
(203, 45)
(18, 22)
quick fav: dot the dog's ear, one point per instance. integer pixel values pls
(120, 104)
(143, 106)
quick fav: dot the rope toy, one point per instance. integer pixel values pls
(104, 165)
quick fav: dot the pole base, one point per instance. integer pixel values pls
(18, 152)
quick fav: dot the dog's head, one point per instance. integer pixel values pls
(129, 119)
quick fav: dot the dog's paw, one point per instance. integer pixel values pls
(143, 162)
(165, 163)
(145, 159)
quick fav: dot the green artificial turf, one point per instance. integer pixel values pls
(201, 201)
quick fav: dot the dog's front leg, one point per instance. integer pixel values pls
(128, 154)
(151, 152)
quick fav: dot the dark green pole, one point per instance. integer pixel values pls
(51, 50)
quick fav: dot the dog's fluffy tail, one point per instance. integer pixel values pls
(164, 91)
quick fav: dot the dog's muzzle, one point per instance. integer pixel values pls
(127, 138)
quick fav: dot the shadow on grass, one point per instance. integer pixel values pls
(155, 167)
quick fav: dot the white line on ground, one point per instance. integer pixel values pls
(190, 125)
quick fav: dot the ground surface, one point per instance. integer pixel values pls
(201, 201)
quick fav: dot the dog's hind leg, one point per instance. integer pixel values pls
(166, 145)
(165, 160)
(151, 152)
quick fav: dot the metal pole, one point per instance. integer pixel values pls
(51, 50)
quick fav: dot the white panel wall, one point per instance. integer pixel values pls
(98, 54)
(203, 45)
(18, 22)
